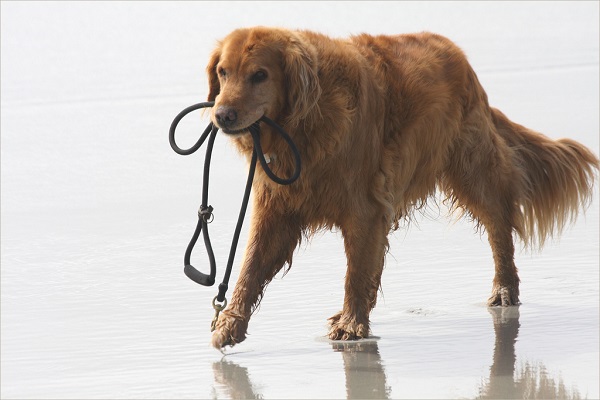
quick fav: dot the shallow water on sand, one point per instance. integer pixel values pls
(97, 212)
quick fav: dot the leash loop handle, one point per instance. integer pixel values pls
(189, 270)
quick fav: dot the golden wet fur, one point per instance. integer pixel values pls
(381, 123)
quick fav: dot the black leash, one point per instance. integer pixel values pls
(205, 215)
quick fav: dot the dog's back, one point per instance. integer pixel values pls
(444, 133)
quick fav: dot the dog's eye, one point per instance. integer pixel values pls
(222, 72)
(259, 76)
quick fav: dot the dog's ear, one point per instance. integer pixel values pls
(213, 79)
(300, 70)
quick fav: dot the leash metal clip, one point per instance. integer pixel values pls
(218, 308)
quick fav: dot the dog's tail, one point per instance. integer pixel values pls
(557, 179)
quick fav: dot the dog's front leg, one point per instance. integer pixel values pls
(365, 241)
(272, 240)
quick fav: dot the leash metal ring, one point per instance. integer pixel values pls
(206, 214)
(219, 307)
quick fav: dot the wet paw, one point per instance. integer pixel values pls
(230, 330)
(347, 328)
(504, 296)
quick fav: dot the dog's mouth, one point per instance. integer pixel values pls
(242, 131)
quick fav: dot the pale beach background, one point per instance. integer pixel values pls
(97, 211)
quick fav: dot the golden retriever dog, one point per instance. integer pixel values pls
(381, 122)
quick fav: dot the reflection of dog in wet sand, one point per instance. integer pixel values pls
(381, 122)
(532, 380)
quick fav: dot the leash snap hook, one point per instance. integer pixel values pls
(218, 308)
(206, 214)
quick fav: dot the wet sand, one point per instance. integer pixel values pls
(97, 211)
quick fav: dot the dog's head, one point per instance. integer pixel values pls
(261, 71)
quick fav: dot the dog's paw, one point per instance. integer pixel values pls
(229, 330)
(504, 296)
(347, 328)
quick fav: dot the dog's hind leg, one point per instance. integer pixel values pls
(481, 179)
(505, 288)
(273, 239)
(365, 241)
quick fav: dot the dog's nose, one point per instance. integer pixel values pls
(226, 116)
